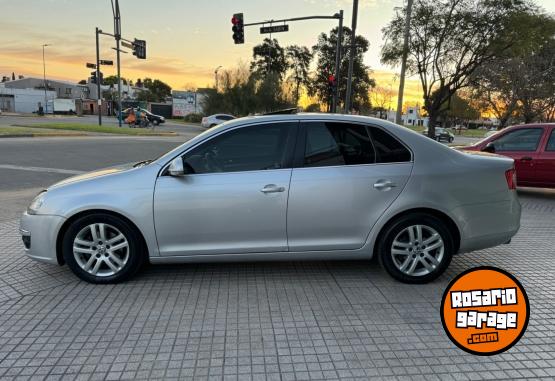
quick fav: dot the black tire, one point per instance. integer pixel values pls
(384, 247)
(212, 125)
(155, 122)
(136, 252)
(451, 140)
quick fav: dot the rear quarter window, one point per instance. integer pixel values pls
(388, 148)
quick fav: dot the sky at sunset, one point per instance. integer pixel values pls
(186, 40)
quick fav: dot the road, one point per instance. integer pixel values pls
(284, 321)
(28, 165)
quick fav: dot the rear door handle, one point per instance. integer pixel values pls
(526, 158)
(384, 185)
(272, 188)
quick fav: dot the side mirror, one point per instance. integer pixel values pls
(176, 167)
(490, 147)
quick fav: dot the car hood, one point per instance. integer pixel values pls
(94, 174)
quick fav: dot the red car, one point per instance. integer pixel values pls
(532, 146)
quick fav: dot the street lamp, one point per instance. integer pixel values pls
(216, 76)
(44, 77)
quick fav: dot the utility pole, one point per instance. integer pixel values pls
(44, 77)
(337, 63)
(117, 35)
(403, 63)
(99, 95)
(351, 58)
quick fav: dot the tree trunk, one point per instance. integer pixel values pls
(432, 125)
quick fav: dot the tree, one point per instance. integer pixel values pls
(113, 80)
(539, 91)
(268, 57)
(83, 82)
(324, 50)
(521, 81)
(380, 98)
(244, 93)
(299, 58)
(449, 40)
(460, 109)
(158, 91)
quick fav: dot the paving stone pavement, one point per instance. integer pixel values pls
(276, 321)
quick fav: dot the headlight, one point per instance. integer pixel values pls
(36, 203)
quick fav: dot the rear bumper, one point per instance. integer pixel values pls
(488, 225)
(39, 233)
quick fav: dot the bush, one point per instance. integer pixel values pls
(193, 118)
(313, 107)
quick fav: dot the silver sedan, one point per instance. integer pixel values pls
(281, 187)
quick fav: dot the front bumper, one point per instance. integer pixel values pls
(39, 233)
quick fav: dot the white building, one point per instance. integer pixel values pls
(411, 117)
(23, 100)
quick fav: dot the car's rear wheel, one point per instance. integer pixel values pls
(212, 125)
(416, 248)
(102, 248)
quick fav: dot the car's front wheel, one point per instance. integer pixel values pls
(102, 248)
(416, 248)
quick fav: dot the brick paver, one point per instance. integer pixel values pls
(277, 321)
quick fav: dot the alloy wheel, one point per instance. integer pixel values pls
(101, 249)
(417, 250)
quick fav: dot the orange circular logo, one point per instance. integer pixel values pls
(485, 311)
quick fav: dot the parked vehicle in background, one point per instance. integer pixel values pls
(281, 187)
(532, 146)
(214, 120)
(61, 106)
(442, 134)
(152, 118)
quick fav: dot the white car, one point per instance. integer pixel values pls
(214, 120)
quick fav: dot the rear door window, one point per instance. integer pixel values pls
(388, 148)
(332, 144)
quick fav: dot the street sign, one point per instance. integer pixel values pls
(274, 29)
(106, 62)
(91, 65)
(126, 44)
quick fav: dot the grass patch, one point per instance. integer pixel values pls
(93, 128)
(24, 131)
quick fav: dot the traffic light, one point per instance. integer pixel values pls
(331, 83)
(94, 77)
(238, 28)
(139, 49)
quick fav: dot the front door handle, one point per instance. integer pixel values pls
(384, 185)
(526, 158)
(272, 188)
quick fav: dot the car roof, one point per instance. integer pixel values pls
(531, 125)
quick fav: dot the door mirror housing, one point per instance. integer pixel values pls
(490, 147)
(176, 167)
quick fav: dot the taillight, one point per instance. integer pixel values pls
(510, 175)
